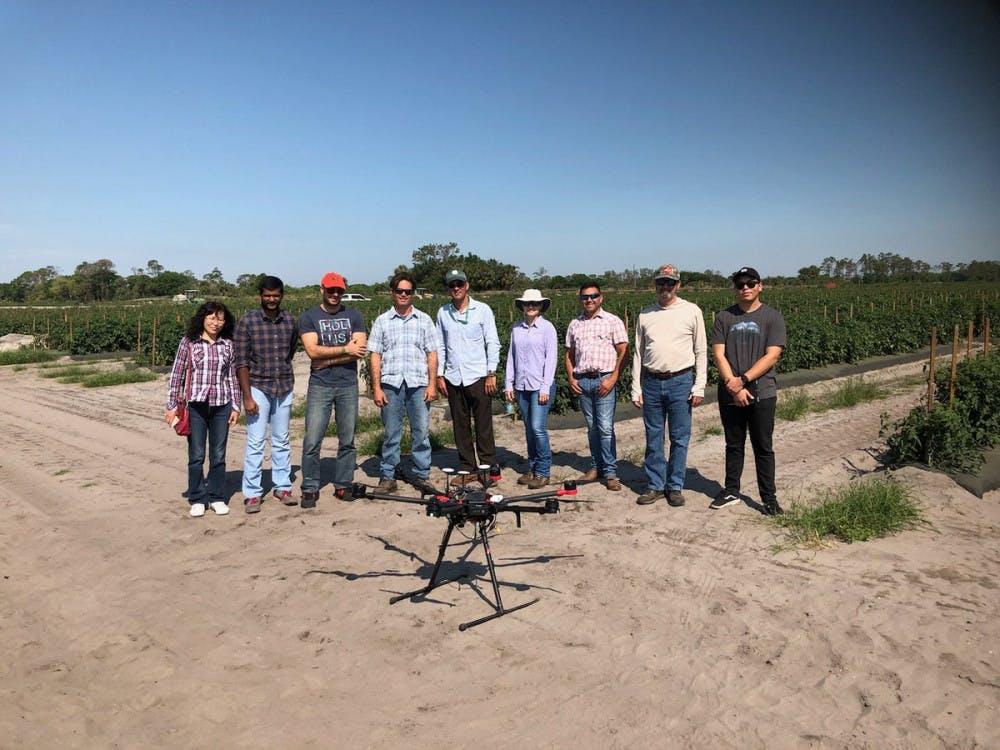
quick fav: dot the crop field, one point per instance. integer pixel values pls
(825, 326)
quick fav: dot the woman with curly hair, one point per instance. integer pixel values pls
(204, 377)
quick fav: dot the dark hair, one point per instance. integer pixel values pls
(590, 283)
(271, 282)
(196, 325)
(401, 276)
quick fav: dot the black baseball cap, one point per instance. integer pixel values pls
(745, 272)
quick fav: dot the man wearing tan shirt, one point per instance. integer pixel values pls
(669, 371)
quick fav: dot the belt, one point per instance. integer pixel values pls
(590, 374)
(666, 375)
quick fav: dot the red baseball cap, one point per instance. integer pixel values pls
(333, 281)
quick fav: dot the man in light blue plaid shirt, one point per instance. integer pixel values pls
(403, 369)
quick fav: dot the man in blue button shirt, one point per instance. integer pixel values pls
(468, 354)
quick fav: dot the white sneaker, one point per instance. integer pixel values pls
(219, 507)
(197, 510)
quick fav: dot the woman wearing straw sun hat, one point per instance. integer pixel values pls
(530, 378)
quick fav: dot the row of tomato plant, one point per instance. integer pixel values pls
(824, 326)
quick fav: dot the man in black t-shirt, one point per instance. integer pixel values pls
(335, 339)
(747, 341)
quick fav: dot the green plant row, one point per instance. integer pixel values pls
(952, 436)
(824, 326)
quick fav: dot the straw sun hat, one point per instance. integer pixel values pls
(532, 295)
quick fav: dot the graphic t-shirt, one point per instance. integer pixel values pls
(747, 336)
(333, 329)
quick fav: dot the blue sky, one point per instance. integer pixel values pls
(296, 138)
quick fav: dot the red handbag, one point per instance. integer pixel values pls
(183, 424)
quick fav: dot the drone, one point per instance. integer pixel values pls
(462, 504)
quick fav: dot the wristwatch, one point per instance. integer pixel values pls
(491, 374)
(745, 379)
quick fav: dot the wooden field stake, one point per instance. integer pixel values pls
(968, 353)
(986, 337)
(954, 367)
(930, 370)
(152, 345)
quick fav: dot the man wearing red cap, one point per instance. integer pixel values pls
(335, 338)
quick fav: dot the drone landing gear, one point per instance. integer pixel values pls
(499, 610)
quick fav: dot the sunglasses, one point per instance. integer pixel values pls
(531, 304)
(397, 290)
(666, 282)
(334, 290)
(456, 285)
(585, 297)
(745, 284)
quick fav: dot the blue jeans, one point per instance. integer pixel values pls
(211, 424)
(536, 430)
(320, 401)
(411, 401)
(275, 412)
(599, 413)
(666, 400)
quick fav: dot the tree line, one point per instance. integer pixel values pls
(98, 281)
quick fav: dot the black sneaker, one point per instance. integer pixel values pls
(675, 498)
(723, 499)
(771, 508)
(649, 497)
(309, 499)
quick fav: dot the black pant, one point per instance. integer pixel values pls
(759, 419)
(468, 402)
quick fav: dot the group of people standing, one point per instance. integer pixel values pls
(221, 368)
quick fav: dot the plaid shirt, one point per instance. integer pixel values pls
(213, 375)
(404, 344)
(266, 348)
(594, 341)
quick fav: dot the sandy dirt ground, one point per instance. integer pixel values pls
(125, 623)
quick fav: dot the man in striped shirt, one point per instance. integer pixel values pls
(596, 343)
(266, 340)
(403, 371)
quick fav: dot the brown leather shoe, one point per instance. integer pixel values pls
(613, 484)
(590, 476)
(464, 479)
(537, 483)
(525, 478)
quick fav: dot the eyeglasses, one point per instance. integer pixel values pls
(585, 297)
(456, 284)
(666, 282)
(398, 290)
(745, 284)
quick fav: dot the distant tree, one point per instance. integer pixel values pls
(809, 274)
(431, 262)
(153, 268)
(97, 281)
(214, 283)
(169, 283)
(30, 285)
(249, 282)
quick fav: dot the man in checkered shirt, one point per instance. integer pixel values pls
(596, 343)
(266, 340)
